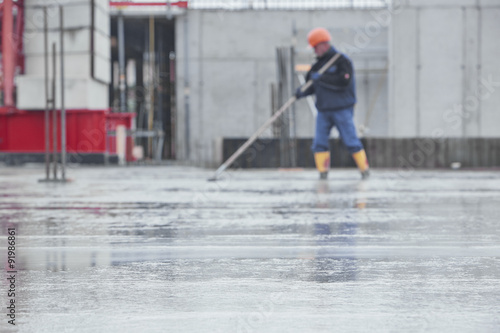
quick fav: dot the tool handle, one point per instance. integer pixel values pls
(271, 120)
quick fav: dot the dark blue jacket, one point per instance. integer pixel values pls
(334, 90)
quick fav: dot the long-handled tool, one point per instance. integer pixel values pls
(271, 120)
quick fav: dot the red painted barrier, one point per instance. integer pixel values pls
(24, 131)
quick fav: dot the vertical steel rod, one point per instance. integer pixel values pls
(152, 82)
(8, 53)
(121, 63)
(47, 118)
(173, 106)
(187, 127)
(158, 124)
(63, 110)
(293, 125)
(54, 111)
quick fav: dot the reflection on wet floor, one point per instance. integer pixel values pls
(260, 251)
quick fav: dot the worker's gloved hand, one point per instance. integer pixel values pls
(315, 76)
(298, 93)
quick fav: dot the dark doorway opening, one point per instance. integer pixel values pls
(148, 78)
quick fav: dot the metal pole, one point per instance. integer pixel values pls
(152, 82)
(186, 88)
(47, 117)
(63, 110)
(284, 130)
(285, 142)
(161, 79)
(293, 126)
(158, 125)
(121, 63)
(8, 57)
(54, 112)
(173, 107)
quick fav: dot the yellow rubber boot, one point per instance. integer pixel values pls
(362, 163)
(322, 160)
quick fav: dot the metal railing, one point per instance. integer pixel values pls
(286, 4)
(153, 6)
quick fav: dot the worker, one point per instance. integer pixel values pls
(335, 92)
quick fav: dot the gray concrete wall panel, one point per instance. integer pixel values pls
(403, 74)
(75, 65)
(374, 121)
(458, 81)
(471, 110)
(490, 72)
(102, 19)
(77, 41)
(228, 109)
(262, 94)
(76, 15)
(101, 45)
(441, 3)
(488, 3)
(80, 94)
(186, 36)
(224, 35)
(441, 73)
(232, 62)
(102, 69)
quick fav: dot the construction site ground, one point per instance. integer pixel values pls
(160, 249)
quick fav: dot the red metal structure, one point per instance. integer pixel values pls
(11, 46)
(180, 4)
(22, 135)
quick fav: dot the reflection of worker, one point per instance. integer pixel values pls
(335, 92)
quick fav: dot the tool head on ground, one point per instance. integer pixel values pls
(317, 36)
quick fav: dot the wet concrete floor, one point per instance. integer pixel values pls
(160, 249)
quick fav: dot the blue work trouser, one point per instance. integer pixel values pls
(342, 119)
